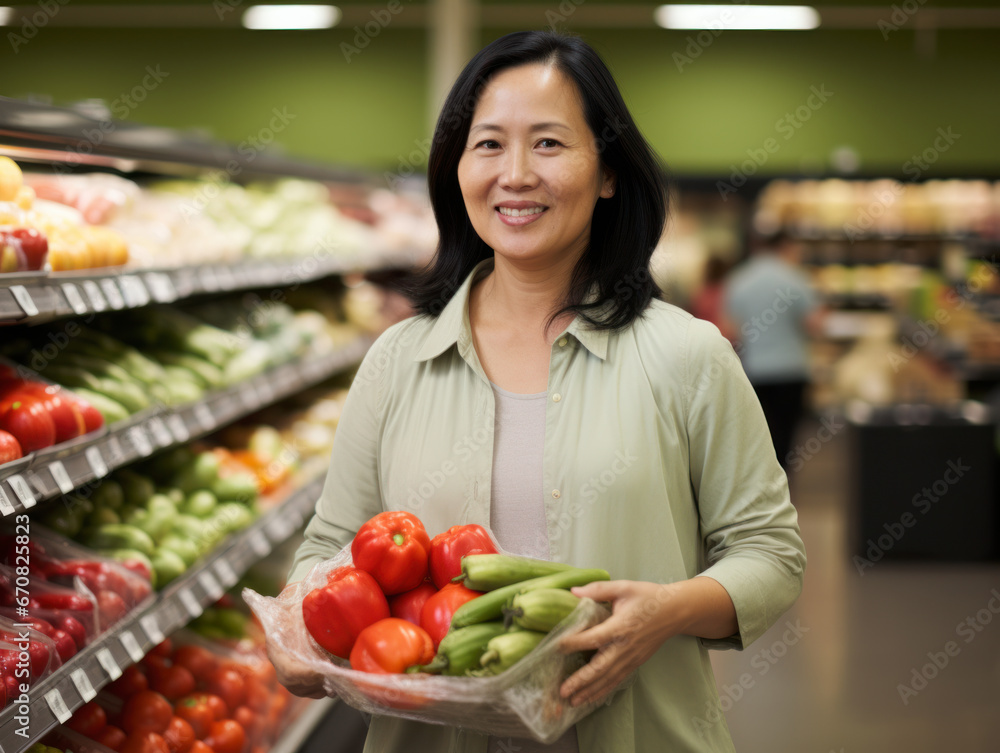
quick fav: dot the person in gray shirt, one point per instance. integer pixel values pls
(774, 310)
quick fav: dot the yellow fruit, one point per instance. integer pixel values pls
(25, 197)
(10, 179)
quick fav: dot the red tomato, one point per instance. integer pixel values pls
(226, 736)
(448, 548)
(131, 682)
(173, 682)
(10, 448)
(92, 418)
(195, 711)
(75, 629)
(250, 722)
(198, 661)
(111, 606)
(145, 741)
(66, 414)
(26, 418)
(146, 710)
(407, 605)
(179, 735)
(200, 747)
(219, 708)
(88, 720)
(228, 684)
(111, 737)
(437, 612)
(390, 646)
(258, 697)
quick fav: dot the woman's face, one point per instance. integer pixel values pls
(531, 174)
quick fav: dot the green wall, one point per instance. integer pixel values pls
(886, 103)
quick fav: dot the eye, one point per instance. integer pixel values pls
(549, 143)
(489, 144)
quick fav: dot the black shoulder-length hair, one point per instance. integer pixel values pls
(625, 228)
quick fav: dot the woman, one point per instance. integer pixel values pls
(546, 392)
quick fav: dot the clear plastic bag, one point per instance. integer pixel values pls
(523, 701)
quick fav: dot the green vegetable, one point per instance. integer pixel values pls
(110, 409)
(460, 650)
(136, 487)
(167, 565)
(541, 609)
(199, 503)
(121, 536)
(508, 649)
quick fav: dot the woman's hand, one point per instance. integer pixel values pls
(643, 616)
(297, 677)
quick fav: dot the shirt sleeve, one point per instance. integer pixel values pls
(749, 528)
(351, 493)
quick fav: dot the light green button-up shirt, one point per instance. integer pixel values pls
(657, 467)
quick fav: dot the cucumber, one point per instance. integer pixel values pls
(490, 605)
(484, 572)
(541, 609)
(506, 650)
(209, 374)
(121, 536)
(459, 650)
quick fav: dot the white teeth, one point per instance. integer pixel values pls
(520, 212)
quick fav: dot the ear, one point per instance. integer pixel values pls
(608, 182)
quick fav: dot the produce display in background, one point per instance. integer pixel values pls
(28, 655)
(186, 696)
(35, 415)
(178, 222)
(38, 234)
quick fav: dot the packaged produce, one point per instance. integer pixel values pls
(70, 609)
(485, 676)
(27, 655)
(448, 548)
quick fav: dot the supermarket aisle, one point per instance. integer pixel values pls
(825, 677)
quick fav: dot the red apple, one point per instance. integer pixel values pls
(26, 418)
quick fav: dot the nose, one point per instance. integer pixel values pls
(518, 173)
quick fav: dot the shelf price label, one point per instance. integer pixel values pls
(5, 506)
(161, 287)
(24, 299)
(209, 281)
(22, 490)
(83, 684)
(93, 291)
(72, 295)
(190, 603)
(134, 291)
(140, 440)
(265, 390)
(160, 432)
(131, 645)
(178, 428)
(203, 415)
(58, 706)
(96, 461)
(112, 293)
(61, 477)
(210, 584)
(106, 660)
(151, 626)
(259, 543)
(225, 572)
(248, 396)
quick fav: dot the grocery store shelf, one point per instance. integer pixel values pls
(65, 139)
(56, 472)
(38, 298)
(292, 738)
(54, 699)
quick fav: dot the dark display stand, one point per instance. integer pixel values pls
(924, 491)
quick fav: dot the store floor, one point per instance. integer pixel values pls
(825, 678)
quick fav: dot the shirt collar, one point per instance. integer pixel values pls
(452, 324)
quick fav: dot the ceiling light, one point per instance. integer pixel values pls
(291, 16)
(737, 17)
(6, 15)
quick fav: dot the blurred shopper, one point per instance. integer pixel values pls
(774, 310)
(709, 302)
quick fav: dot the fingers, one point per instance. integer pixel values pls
(592, 638)
(594, 681)
(600, 590)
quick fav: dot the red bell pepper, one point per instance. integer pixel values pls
(394, 547)
(391, 645)
(337, 612)
(436, 615)
(407, 605)
(448, 548)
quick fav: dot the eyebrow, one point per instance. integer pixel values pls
(535, 127)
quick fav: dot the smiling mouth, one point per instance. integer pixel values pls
(509, 212)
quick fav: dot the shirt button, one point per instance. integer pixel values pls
(556, 398)
(562, 342)
(556, 494)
